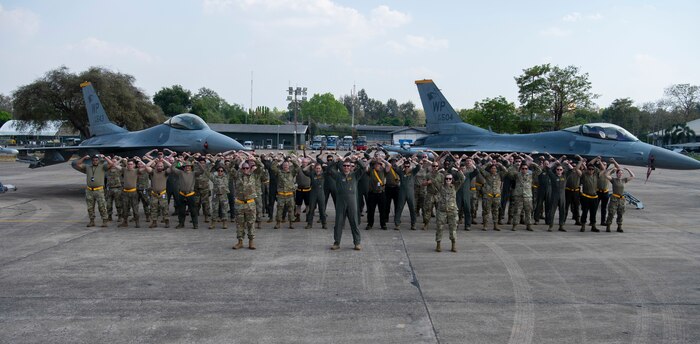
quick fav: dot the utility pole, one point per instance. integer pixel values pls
(293, 96)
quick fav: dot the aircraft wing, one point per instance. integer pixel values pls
(57, 155)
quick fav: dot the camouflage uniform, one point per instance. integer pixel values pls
(202, 198)
(431, 196)
(447, 205)
(617, 202)
(262, 180)
(245, 188)
(220, 200)
(522, 195)
(130, 196)
(285, 190)
(159, 198)
(477, 190)
(94, 193)
(142, 185)
(420, 191)
(492, 194)
(114, 192)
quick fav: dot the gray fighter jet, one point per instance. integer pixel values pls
(449, 133)
(182, 133)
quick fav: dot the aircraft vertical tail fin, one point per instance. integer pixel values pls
(440, 117)
(97, 116)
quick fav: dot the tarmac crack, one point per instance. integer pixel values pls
(416, 283)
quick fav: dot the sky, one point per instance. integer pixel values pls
(471, 49)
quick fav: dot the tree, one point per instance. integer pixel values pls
(623, 113)
(57, 96)
(5, 103)
(4, 117)
(173, 100)
(408, 114)
(678, 133)
(324, 108)
(684, 99)
(495, 113)
(210, 107)
(558, 90)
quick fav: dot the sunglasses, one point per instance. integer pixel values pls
(347, 165)
(560, 169)
(448, 178)
(246, 168)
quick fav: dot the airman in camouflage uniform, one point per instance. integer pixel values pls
(522, 194)
(285, 188)
(420, 188)
(158, 191)
(202, 198)
(219, 179)
(95, 178)
(617, 201)
(447, 205)
(143, 184)
(130, 196)
(246, 186)
(113, 196)
(492, 192)
(431, 192)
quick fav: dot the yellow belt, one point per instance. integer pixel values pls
(589, 196)
(158, 193)
(188, 194)
(285, 193)
(478, 184)
(572, 189)
(603, 190)
(473, 189)
(95, 188)
(129, 190)
(535, 186)
(304, 189)
(618, 196)
(240, 201)
(492, 195)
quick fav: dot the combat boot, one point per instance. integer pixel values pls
(561, 228)
(91, 223)
(396, 228)
(323, 225)
(109, 218)
(454, 246)
(136, 222)
(124, 223)
(495, 227)
(308, 226)
(335, 247)
(180, 225)
(437, 247)
(357, 247)
(513, 229)
(195, 226)
(467, 228)
(594, 229)
(291, 225)
(607, 227)
(583, 227)
(550, 228)
(413, 226)
(104, 223)
(251, 244)
(577, 221)
(257, 225)
(269, 220)
(238, 245)
(212, 225)
(484, 228)
(206, 219)
(154, 224)
(167, 223)
(425, 226)
(619, 228)
(277, 225)
(528, 228)
(224, 225)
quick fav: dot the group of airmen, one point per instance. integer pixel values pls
(246, 187)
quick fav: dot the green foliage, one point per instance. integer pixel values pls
(678, 133)
(558, 91)
(324, 108)
(495, 113)
(5, 103)
(57, 96)
(173, 100)
(684, 99)
(4, 117)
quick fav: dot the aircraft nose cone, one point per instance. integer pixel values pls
(664, 158)
(217, 143)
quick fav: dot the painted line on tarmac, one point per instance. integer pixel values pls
(524, 320)
(40, 221)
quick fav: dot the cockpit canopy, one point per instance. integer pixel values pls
(187, 121)
(605, 131)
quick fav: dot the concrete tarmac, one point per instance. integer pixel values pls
(61, 282)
